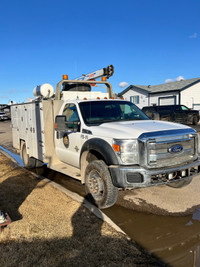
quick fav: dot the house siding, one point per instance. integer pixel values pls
(191, 96)
(143, 97)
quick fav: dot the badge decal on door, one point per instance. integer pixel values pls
(66, 140)
(76, 148)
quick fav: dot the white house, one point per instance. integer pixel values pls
(184, 92)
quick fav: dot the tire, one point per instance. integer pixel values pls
(29, 162)
(98, 185)
(195, 120)
(180, 184)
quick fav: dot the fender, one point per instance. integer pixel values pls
(103, 148)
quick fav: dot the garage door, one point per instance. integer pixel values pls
(170, 100)
(196, 106)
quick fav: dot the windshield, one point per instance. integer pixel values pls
(98, 112)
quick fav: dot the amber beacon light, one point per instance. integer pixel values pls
(65, 77)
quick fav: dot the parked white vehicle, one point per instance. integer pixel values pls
(3, 116)
(105, 143)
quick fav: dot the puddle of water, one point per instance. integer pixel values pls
(176, 240)
(13, 155)
(196, 215)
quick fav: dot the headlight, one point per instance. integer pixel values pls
(127, 150)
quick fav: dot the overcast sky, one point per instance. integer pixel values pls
(148, 41)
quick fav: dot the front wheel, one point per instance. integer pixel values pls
(99, 186)
(29, 162)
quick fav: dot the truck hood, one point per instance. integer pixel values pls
(133, 129)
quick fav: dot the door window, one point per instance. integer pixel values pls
(184, 108)
(70, 112)
(177, 108)
(167, 109)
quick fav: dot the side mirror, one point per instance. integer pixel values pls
(61, 125)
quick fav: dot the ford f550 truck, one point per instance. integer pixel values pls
(106, 143)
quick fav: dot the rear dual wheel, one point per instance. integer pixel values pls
(29, 162)
(98, 185)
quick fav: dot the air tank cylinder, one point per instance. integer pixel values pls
(45, 90)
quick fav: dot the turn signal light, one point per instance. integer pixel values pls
(65, 77)
(103, 79)
(116, 147)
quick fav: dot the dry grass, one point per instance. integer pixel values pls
(50, 229)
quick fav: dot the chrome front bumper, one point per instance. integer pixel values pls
(135, 176)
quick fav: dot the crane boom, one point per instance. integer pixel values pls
(96, 74)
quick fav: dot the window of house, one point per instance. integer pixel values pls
(135, 99)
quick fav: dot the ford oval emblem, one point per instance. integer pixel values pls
(176, 149)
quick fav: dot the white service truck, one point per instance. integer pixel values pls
(106, 143)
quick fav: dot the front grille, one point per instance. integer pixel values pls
(166, 151)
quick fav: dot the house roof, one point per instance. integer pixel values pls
(172, 86)
(132, 87)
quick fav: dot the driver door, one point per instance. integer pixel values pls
(180, 114)
(68, 143)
